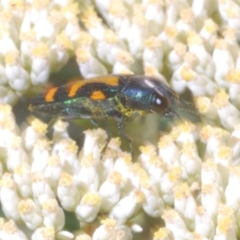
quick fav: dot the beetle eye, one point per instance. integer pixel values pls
(160, 104)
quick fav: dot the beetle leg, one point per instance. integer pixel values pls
(51, 123)
(107, 129)
(109, 135)
(94, 123)
(120, 126)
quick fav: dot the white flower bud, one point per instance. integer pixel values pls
(18, 77)
(92, 22)
(123, 164)
(11, 231)
(30, 213)
(168, 151)
(205, 66)
(67, 192)
(173, 10)
(148, 153)
(53, 171)
(233, 77)
(88, 207)
(6, 43)
(234, 143)
(110, 191)
(152, 53)
(176, 225)
(153, 204)
(209, 32)
(186, 23)
(135, 174)
(223, 156)
(123, 62)
(94, 143)
(27, 45)
(40, 69)
(15, 153)
(60, 130)
(89, 66)
(223, 62)
(168, 38)
(185, 133)
(204, 224)
(105, 166)
(44, 28)
(106, 231)
(44, 233)
(138, 32)
(169, 180)
(21, 176)
(190, 163)
(41, 189)
(176, 56)
(53, 214)
(8, 130)
(121, 21)
(227, 224)
(87, 177)
(232, 196)
(210, 173)
(72, 28)
(207, 109)
(232, 11)
(155, 15)
(9, 197)
(32, 133)
(225, 228)
(83, 236)
(156, 170)
(150, 70)
(66, 149)
(123, 233)
(58, 52)
(127, 206)
(185, 204)
(109, 48)
(227, 112)
(210, 199)
(213, 138)
(40, 155)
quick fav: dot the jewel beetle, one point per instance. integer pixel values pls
(121, 97)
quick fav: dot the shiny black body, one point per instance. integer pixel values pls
(122, 97)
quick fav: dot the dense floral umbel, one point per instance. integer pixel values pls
(36, 38)
(197, 198)
(188, 187)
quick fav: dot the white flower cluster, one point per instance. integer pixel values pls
(171, 38)
(191, 181)
(40, 179)
(197, 197)
(36, 38)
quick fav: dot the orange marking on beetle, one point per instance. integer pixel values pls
(109, 80)
(98, 95)
(74, 88)
(49, 97)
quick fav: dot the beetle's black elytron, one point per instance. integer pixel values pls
(121, 97)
